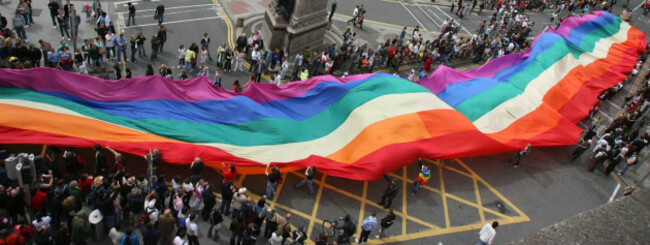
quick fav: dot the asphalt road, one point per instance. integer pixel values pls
(431, 15)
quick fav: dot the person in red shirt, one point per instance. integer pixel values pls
(427, 64)
(229, 173)
(85, 183)
(38, 200)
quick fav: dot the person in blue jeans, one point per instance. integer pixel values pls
(310, 172)
(160, 11)
(227, 192)
(120, 43)
(274, 178)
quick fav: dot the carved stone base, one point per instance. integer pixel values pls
(306, 27)
(274, 29)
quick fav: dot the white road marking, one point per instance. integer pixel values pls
(179, 7)
(134, 1)
(429, 16)
(637, 7)
(416, 19)
(174, 22)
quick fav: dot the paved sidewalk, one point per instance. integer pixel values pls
(624, 221)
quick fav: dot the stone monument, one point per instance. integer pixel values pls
(297, 23)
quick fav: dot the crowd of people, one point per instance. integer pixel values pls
(623, 139)
(166, 210)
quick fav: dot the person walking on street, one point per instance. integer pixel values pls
(155, 46)
(274, 178)
(487, 233)
(310, 172)
(205, 42)
(140, 41)
(215, 225)
(632, 160)
(162, 37)
(355, 14)
(385, 223)
(192, 230)
(390, 193)
(18, 23)
(516, 159)
(332, 10)
(160, 12)
(131, 14)
(75, 25)
(367, 226)
(423, 177)
(54, 11)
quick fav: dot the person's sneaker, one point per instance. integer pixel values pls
(264, 196)
(62, 38)
(68, 39)
(356, 240)
(26, 26)
(54, 27)
(377, 236)
(516, 166)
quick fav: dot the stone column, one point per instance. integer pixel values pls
(305, 28)
(308, 25)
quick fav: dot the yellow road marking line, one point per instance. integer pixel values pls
(314, 211)
(404, 203)
(495, 192)
(363, 206)
(481, 212)
(450, 230)
(358, 198)
(444, 197)
(451, 169)
(277, 191)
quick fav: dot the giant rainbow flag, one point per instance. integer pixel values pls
(359, 127)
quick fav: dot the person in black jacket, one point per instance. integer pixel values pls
(101, 168)
(242, 43)
(227, 192)
(390, 193)
(215, 224)
(54, 11)
(3, 22)
(162, 37)
(150, 235)
(386, 222)
(160, 11)
(208, 201)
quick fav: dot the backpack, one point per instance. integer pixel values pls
(145, 217)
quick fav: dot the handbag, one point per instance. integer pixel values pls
(155, 16)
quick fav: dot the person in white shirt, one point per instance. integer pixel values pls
(192, 230)
(277, 79)
(255, 57)
(275, 239)
(110, 45)
(42, 220)
(178, 240)
(487, 233)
